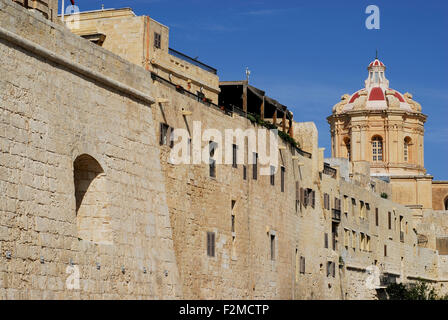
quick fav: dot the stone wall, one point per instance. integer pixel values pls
(53, 111)
(439, 195)
(86, 180)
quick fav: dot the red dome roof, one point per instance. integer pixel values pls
(376, 63)
(399, 96)
(376, 94)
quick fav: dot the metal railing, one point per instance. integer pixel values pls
(329, 170)
(191, 60)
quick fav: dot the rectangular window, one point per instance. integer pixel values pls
(326, 201)
(302, 196)
(337, 204)
(212, 162)
(189, 148)
(377, 222)
(362, 244)
(346, 238)
(385, 250)
(362, 209)
(164, 129)
(302, 265)
(346, 205)
(368, 243)
(234, 156)
(255, 166)
(389, 220)
(244, 172)
(272, 175)
(326, 240)
(331, 270)
(334, 234)
(354, 240)
(282, 181)
(157, 40)
(297, 191)
(211, 244)
(353, 207)
(233, 216)
(312, 194)
(297, 269)
(272, 247)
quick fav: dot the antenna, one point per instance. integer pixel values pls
(376, 54)
(247, 74)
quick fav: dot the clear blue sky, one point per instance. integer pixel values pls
(306, 54)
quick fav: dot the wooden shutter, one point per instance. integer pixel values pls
(162, 129)
(211, 244)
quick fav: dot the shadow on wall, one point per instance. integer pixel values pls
(92, 214)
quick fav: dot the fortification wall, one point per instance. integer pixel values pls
(60, 99)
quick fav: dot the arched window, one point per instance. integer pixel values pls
(348, 148)
(377, 148)
(92, 216)
(446, 203)
(406, 149)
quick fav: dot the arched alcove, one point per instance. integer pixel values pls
(92, 216)
(446, 203)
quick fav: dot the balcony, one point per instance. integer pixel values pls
(329, 170)
(401, 236)
(336, 215)
(191, 60)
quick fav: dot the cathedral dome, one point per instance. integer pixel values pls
(376, 95)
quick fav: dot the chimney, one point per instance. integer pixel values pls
(48, 8)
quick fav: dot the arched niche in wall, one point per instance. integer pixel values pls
(92, 213)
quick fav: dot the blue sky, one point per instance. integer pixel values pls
(306, 54)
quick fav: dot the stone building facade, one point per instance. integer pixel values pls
(88, 180)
